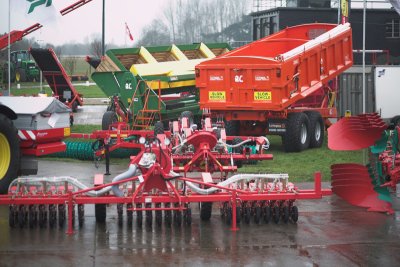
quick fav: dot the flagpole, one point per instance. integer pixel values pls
(9, 48)
(103, 30)
(363, 55)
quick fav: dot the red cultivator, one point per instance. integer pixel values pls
(152, 186)
(366, 186)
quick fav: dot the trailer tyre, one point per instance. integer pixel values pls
(158, 128)
(108, 118)
(74, 106)
(297, 137)
(238, 150)
(188, 115)
(9, 153)
(317, 130)
(232, 128)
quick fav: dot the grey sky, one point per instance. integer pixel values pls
(84, 23)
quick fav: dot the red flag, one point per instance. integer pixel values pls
(128, 31)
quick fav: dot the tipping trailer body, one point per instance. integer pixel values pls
(56, 77)
(272, 76)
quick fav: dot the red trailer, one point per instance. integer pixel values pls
(282, 84)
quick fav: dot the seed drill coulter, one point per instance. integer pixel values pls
(172, 171)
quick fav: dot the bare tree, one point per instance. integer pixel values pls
(70, 65)
(96, 48)
(169, 14)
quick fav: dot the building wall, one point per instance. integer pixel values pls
(376, 27)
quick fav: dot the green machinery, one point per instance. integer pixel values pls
(148, 84)
(23, 68)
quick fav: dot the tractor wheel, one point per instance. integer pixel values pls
(238, 150)
(100, 212)
(20, 75)
(317, 128)
(232, 128)
(9, 153)
(158, 128)
(108, 118)
(297, 137)
(188, 115)
(205, 211)
(75, 106)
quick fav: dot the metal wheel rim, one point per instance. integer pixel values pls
(17, 76)
(317, 131)
(5, 155)
(303, 133)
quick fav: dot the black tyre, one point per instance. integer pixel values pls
(267, 214)
(100, 212)
(109, 118)
(257, 214)
(276, 214)
(238, 150)
(158, 128)
(20, 75)
(228, 217)
(74, 106)
(247, 214)
(189, 115)
(294, 214)
(238, 214)
(9, 153)
(285, 214)
(317, 128)
(61, 215)
(187, 215)
(168, 215)
(12, 214)
(297, 137)
(205, 211)
(232, 128)
(129, 214)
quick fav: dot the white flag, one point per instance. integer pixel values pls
(28, 12)
(396, 5)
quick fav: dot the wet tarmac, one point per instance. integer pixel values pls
(329, 233)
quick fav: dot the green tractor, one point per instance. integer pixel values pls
(23, 68)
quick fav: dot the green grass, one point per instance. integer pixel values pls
(92, 91)
(302, 166)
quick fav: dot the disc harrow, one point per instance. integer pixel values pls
(160, 187)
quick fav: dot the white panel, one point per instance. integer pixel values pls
(387, 91)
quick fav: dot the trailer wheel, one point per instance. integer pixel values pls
(74, 106)
(232, 128)
(108, 118)
(317, 128)
(238, 150)
(100, 212)
(158, 128)
(188, 115)
(9, 153)
(205, 210)
(297, 137)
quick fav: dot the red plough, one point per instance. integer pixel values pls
(366, 186)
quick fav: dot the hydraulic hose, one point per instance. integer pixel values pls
(75, 182)
(125, 175)
(236, 178)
